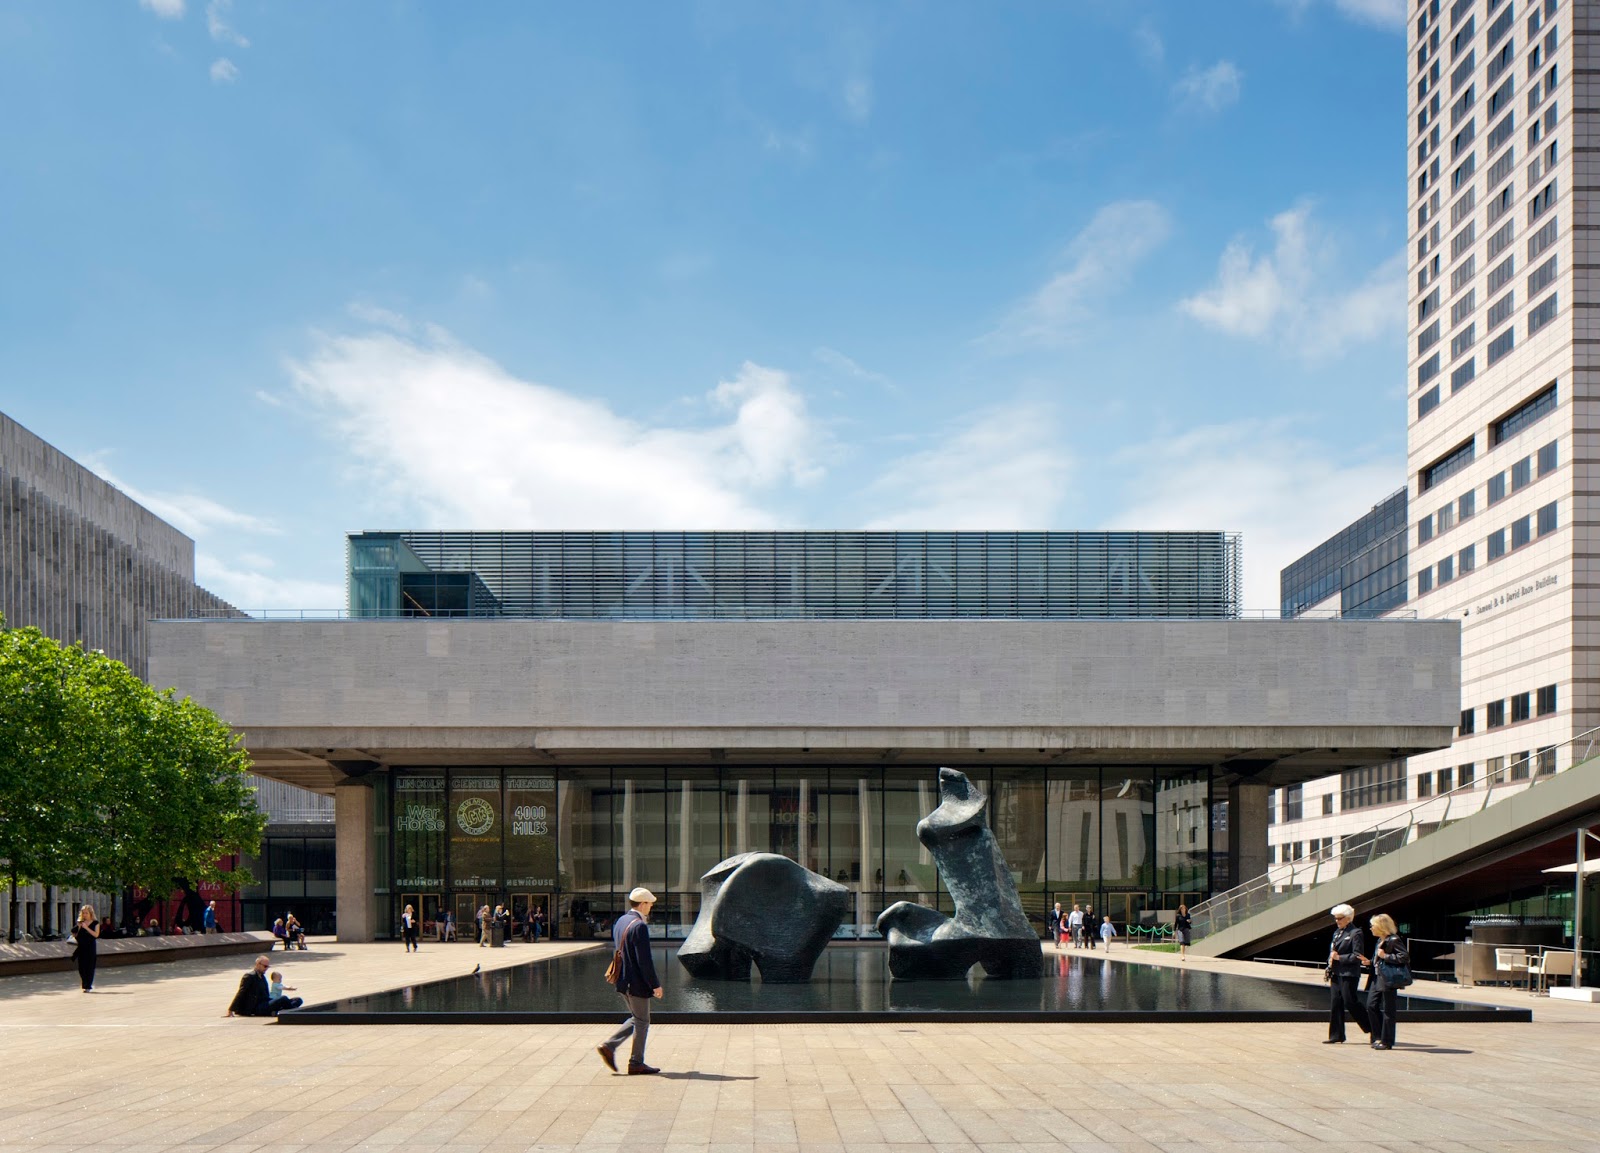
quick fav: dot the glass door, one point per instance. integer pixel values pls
(431, 910)
(530, 916)
(467, 906)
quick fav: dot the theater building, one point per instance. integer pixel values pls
(547, 719)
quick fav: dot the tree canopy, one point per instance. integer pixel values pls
(104, 781)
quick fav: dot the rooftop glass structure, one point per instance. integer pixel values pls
(1363, 564)
(799, 575)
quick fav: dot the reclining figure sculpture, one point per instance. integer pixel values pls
(989, 928)
(765, 909)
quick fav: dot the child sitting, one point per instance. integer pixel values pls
(276, 987)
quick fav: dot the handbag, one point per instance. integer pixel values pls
(614, 970)
(1395, 969)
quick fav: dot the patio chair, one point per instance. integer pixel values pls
(1553, 963)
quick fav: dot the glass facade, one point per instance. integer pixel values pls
(793, 575)
(1364, 565)
(572, 842)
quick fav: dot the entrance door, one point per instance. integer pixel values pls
(431, 910)
(523, 907)
(1125, 910)
(467, 906)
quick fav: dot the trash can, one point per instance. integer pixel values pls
(497, 937)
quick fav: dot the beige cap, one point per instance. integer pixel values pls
(640, 895)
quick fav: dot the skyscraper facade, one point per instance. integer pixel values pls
(1501, 413)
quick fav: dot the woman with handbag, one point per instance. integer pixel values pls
(1391, 972)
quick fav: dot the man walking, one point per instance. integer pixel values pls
(636, 981)
(1346, 956)
(1075, 927)
(1055, 925)
(210, 918)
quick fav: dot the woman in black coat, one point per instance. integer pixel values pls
(1382, 998)
(87, 934)
(1182, 924)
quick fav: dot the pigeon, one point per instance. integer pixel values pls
(476, 969)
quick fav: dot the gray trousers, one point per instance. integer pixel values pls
(637, 1025)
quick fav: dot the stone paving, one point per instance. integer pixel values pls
(148, 1063)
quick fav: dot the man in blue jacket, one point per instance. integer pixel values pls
(636, 981)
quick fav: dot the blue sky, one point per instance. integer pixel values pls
(285, 271)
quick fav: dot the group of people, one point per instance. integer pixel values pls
(1349, 955)
(289, 932)
(1078, 927)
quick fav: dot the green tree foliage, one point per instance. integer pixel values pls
(106, 782)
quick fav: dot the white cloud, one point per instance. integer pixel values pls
(166, 9)
(217, 13)
(452, 437)
(1285, 492)
(1389, 14)
(244, 586)
(1210, 89)
(845, 366)
(1282, 294)
(1148, 43)
(223, 71)
(1005, 469)
(191, 513)
(1099, 260)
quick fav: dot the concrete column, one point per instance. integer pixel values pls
(741, 813)
(630, 854)
(802, 828)
(866, 886)
(686, 877)
(1247, 830)
(355, 863)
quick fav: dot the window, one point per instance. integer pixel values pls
(1449, 464)
(1425, 581)
(1501, 238)
(1294, 803)
(1327, 804)
(1467, 559)
(1547, 458)
(1463, 340)
(1519, 766)
(1461, 377)
(1546, 701)
(1444, 781)
(1427, 306)
(1547, 518)
(1542, 202)
(1447, 570)
(1500, 169)
(1501, 60)
(1463, 207)
(1464, 775)
(1521, 707)
(1497, 488)
(1462, 140)
(1542, 277)
(1462, 308)
(1463, 71)
(1499, 99)
(1543, 239)
(1500, 204)
(1502, 345)
(1521, 473)
(1500, 310)
(1445, 518)
(1469, 723)
(1463, 105)
(1497, 544)
(1521, 532)
(1530, 411)
(1463, 38)
(1428, 369)
(1427, 338)
(1542, 314)
(1467, 506)
(1499, 276)
(1494, 770)
(1425, 529)
(1465, 273)
(1425, 785)
(1500, 27)
(1501, 132)
(1494, 716)
(1427, 402)
(1547, 760)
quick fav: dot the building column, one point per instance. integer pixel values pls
(353, 807)
(1247, 830)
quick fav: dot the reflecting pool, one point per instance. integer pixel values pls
(852, 983)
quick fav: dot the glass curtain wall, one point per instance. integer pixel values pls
(573, 842)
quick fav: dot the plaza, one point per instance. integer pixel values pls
(149, 1063)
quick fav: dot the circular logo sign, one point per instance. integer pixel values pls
(475, 816)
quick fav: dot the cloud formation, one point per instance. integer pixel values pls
(445, 433)
(217, 14)
(246, 585)
(1264, 478)
(1281, 295)
(1002, 468)
(1209, 90)
(165, 9)
(223, 71)
(1389, 14)
(1100, 260)
(190, 513)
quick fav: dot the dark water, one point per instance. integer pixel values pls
(853, 982)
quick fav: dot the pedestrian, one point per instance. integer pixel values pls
(1108, 932)
(1074, 928)
(1383, 998)
(483, 926)
(210, 917)
(408, 930)
(448, 931)
(296, 931)
(1182, 923)
(254, 998)
(636, 981)
(1088, 926)
(1346, 957)
(87, 935)
(1055, 925)
(503, 915)
(538, 924)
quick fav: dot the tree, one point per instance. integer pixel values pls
(106, 782)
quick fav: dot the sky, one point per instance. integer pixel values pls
(283, 272)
